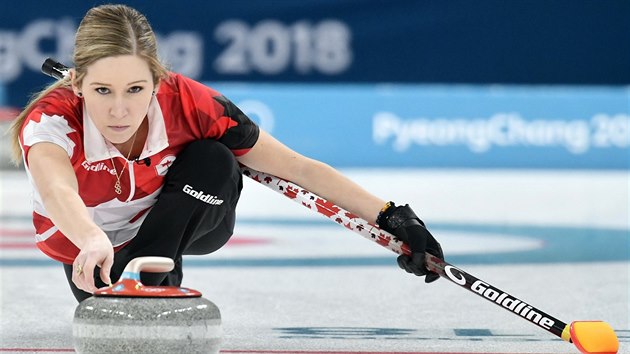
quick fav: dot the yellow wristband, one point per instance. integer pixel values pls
(385, 207)
(383, 210)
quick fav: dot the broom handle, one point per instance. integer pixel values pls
(372, 232)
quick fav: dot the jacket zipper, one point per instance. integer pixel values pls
(132, 181)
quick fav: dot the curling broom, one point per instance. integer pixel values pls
(590, 337)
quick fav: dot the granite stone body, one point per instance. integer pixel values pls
(147, 325)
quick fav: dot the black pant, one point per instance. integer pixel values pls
(179, 223)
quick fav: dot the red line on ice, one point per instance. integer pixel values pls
(69, 350)
(17, 233)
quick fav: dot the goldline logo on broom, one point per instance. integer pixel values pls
(501, 298)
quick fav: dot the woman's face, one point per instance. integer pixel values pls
(117, 92)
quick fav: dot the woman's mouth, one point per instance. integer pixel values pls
(118, 128)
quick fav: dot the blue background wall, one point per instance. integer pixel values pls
(318, 66)
(445, 126)
(429, 41)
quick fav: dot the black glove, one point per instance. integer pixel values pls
(403, 223)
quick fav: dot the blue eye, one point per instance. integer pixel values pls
(102, 90)
(135, 89)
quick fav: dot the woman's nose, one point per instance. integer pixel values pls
(118, 108)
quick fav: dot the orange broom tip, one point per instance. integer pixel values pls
(594, 337)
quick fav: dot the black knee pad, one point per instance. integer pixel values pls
(204, 159)
(206, 170)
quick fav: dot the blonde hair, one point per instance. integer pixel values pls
(105, 31)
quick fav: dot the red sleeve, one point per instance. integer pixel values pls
(56, 119)
(218, 117)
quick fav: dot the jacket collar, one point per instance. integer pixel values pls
(97, 148)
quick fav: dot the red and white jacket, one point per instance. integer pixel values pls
(181, 112)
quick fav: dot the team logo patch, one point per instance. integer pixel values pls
(166, 162)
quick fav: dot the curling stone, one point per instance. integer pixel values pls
(129, 317)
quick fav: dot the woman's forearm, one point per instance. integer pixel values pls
(69, 214)
(331, 185)
(57, 185)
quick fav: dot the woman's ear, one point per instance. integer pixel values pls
(156, 88)
(75, 87)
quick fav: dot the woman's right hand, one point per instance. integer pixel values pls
(96, 251)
